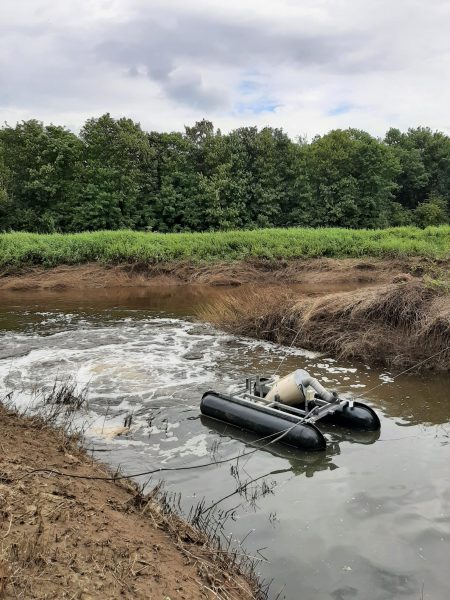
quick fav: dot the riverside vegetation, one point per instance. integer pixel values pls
(19, 250)
(114, 175)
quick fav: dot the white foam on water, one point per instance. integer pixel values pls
(386, 378)
(126, 366)
(137, 366)
(330, 368)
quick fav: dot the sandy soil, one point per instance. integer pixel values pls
(324, 270)
(83, 539)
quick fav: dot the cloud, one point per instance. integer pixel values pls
(189, 88)
(305, 66)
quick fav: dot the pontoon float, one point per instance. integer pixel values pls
(286, 410)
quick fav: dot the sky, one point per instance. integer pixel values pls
(307, 66)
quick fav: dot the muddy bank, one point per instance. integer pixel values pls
(77, 538)
(387, 312)
(309, 271)
(400, 324)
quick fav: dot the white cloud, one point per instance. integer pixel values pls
(307, 65)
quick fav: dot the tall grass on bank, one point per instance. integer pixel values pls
(27, 249)
(401, 325)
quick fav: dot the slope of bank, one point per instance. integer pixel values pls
(62, 537)
(318, 271)
(405, 324)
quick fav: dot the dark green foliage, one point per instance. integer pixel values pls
(114, 176)
(353, 180)
(432, 212)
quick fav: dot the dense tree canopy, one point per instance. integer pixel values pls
(114, 175)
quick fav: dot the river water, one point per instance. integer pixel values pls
(367, 519)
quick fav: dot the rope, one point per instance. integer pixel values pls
(405, 371)
(286, 355)
(281, 434)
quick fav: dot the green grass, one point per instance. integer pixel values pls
(25, 249)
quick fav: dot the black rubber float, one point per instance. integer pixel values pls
(359, 416)
(263, 421)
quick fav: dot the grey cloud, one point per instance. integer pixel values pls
(165, 40)
(210, 40)
(191, 90)
(207, 42)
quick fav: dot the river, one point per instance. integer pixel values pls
(367, 519)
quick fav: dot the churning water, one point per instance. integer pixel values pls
(367, 519)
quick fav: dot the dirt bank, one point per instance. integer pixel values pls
(394, 313)
(319, 271)
(81, 539)
(399, 324)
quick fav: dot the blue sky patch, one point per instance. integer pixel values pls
(256, 106)
(340, 109)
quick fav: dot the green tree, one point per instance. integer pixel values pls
(413, 178)
(4, 204)
(425, 159)
(176, 182)
(41, 162)
(115, 175)
(433, 211)
(116, 184)
(352, 178)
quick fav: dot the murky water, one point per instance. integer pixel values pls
(367, 519)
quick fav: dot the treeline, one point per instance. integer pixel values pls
(114, 175)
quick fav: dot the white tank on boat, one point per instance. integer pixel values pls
(287, 390)
(292, 389)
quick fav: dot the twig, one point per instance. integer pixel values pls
(9, 528)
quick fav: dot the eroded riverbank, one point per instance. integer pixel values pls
(321, 272)
(82, 537)
(394, 313)
(400, 325)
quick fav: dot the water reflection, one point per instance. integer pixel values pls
(302, 463)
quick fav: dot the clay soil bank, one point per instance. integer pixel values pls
(320, 271)
(83, 539)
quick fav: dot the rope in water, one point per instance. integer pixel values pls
(43, 471)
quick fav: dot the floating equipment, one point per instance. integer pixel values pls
(284, 410)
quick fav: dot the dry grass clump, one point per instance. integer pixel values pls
(398, 324)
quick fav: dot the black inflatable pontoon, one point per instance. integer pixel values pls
(279, 411)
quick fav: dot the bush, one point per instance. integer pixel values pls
(431, 212)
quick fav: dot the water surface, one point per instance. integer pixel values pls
(367, 519)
